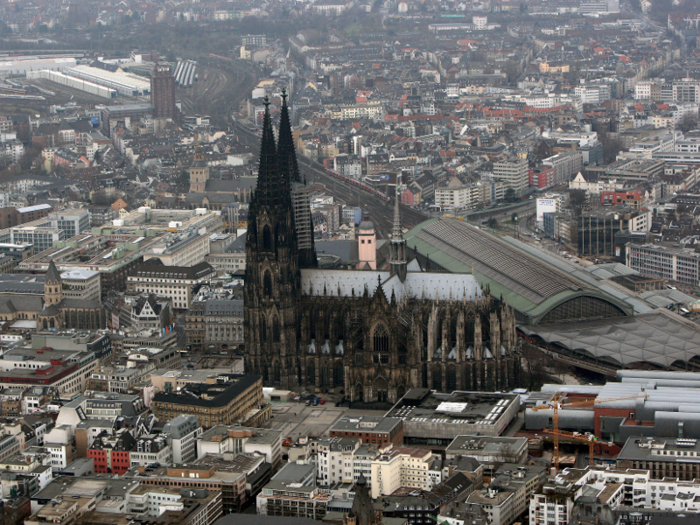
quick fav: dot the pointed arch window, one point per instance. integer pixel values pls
(267, 284)
(267, 237)
(275, 330)
(380, 344)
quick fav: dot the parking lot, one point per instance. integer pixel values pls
(297, 420)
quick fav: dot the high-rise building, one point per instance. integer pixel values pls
(163, 92)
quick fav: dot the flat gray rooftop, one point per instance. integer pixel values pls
(658, 337)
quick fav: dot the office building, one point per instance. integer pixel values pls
(81, 284)
(228, 399)
(566, 165)
(163, 92)
(182, 433)
(71, 221)
(670, 263)
(371, 430)
(596, 229)
(400, 467)
(491, 451)
(257, 441)
(215, 322)
(433, 418)
(174, 282)
(512, 173)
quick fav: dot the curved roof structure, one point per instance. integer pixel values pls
(660, 338)
(537, 290)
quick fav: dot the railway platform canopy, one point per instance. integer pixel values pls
(659, 338)
(539, 291)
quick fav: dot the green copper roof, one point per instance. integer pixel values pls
(529, 284)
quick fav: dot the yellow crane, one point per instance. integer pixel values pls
(590, 438)
(556, 403)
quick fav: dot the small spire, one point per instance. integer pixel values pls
(397, 232)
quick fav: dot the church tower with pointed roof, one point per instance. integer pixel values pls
(273, 288)
(300, 191)
(53, 285)
(199, 172)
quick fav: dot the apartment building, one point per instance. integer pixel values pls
(293, 493)
(175, 282)
(151, 449)
(672, 264)
(615, 488)
(508, 494)
(566, 165)
(513, 173)
(593, 93)
(459, 196)
(398, 467)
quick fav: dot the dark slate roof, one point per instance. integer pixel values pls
(346, 250)
(236, 387)
(197, 271)
(231, 186)
(52, 274)
(224, 307)
(21, 304)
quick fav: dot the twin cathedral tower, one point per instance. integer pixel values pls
(369, 334)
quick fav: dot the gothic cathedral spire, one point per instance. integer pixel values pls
(299, 191)
(272, 280)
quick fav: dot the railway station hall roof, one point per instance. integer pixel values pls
(538, 291)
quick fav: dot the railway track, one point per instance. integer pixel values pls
(380, 212)
(220, 96)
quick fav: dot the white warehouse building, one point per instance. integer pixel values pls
(20, 67)
(125, 83)
(73, 82)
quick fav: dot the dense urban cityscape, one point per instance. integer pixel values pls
(393, 262)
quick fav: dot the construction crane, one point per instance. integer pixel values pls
(556, 403)
(590, 438)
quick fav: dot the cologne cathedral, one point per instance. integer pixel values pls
(371, 334)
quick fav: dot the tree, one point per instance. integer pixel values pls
(514, 217)
(492, 223)
(510, 195)
(611, 147)
(534, 366)
(577, 200)
(688, 122)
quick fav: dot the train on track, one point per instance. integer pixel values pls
(352, 182)
(359, 184)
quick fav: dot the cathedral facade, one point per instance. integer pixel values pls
(371, 334)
